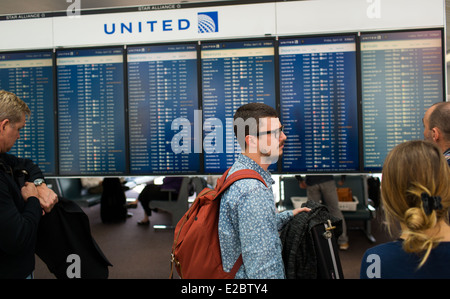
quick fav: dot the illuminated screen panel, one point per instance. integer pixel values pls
(91, 111)
(30, 76)
(318, 102)
(402, 76)
(162, 101)
(233, 74)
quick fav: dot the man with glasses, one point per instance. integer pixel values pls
(436, 123)
(249, 223)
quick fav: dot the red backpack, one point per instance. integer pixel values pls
(196, 247)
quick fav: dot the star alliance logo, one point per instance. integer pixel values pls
(208, 22)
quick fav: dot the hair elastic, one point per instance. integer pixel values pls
(431, 203)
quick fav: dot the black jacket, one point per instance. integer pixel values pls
(18, 219)
(65, 231)
(299, 254)
(54, 236)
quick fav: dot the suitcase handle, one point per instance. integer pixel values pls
(330, 226)
(328, 234)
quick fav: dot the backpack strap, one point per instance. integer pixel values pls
(239, 175)
(236, 176)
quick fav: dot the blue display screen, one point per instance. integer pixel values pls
(162, 104)
(402, 76)
(29, 75)
(318, 102)
(345, 101)
(91, 111)
(233, 74)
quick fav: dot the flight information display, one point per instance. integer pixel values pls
(162, 104)
(233, 74)
(402, 76)
(29, 75)
(318, 103)
(91, 111)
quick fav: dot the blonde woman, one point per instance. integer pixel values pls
(416, 197)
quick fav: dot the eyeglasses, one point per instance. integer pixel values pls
(276, 133)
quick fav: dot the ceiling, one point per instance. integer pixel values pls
(30, 6)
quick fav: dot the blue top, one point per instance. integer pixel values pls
(389, 260)
(249, 224)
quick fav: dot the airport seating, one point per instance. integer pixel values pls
(71, 188)
(177, 206)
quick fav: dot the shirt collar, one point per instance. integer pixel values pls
(447, 155)
(250, 164)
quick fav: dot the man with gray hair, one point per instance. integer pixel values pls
(436, 122)
(24, 196)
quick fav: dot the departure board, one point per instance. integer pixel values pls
(233, 74)
(318, 103)
(29, 75)
(402, 76)
(162, 104)
(91, 111)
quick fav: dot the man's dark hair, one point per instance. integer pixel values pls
(440, 118)
(246, 120)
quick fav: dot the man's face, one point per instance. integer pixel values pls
(271, 139)
(10, 132)
(427, 133)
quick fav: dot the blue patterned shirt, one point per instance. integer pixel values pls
(249, 223)
(447, 156)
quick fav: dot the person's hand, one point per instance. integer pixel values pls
(299, 210)
(29, 190)
(47, 197)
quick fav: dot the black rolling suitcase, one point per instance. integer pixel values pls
(309, 246)
(327, 254)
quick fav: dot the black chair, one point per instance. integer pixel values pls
(71, 188)
(177, 207)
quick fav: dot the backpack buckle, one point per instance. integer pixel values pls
(173, 259)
